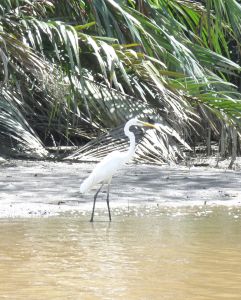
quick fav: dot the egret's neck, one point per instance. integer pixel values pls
(132, 139)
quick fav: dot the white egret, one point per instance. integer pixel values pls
(105, 169)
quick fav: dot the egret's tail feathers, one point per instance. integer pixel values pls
(86, 185)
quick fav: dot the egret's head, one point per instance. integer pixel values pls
(136, 122)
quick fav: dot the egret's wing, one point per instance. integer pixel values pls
(104, 170)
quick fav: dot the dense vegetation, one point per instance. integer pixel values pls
(73, 70)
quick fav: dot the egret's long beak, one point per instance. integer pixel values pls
(146, 124)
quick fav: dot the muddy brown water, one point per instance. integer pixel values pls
(145, 253)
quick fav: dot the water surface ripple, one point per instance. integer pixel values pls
(163, 254)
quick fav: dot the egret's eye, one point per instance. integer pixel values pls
(150, 120)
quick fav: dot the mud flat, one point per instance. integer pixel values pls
(34, 188)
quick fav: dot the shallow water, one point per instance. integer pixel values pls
(146, 253)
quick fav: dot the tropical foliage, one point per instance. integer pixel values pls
(73, 70)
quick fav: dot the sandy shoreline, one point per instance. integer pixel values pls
(34, 188)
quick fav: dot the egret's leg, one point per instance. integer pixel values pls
(107, 200)
(95, 197)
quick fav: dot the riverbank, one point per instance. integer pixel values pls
(43, 188)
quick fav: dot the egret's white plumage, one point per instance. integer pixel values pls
(105, 169)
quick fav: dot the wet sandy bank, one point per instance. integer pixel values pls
(33, 188)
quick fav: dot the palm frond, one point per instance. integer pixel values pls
(18, 136)
(151, 146)
(85, 67)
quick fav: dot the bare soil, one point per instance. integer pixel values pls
(43, 188)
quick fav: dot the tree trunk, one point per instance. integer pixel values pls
(223, 142)
(208, 141)
(234, 146)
